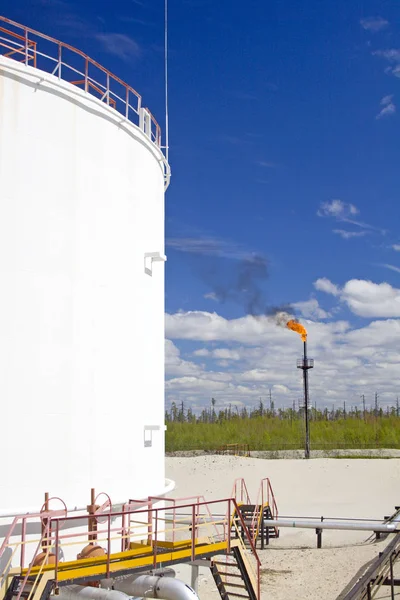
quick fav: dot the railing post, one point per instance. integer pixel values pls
(228, 548)
(108, 544)
(59, 60)
(123, 530)
(391, 578)
(108, 89)
(193, 532)
(173, 521)
(149, 524)
(23, 538)
(86, 74)
(127, 104)
(56, 550)
(155, 538)
(26, 47)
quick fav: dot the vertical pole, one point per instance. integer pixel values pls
(391, 579)
(23, 538)
(193, 532)
(57, 550)
(45, 521)
(318, 531)
(108, 544)
(59, 61)
(305, 376)
(195, 578)
(26, 47)
(166, 78)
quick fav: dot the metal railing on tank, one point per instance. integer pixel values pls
(122, 540)
(69, 64)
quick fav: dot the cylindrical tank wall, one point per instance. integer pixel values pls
(81, 322)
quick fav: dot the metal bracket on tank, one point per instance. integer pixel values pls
(149, 258)
(148, 434)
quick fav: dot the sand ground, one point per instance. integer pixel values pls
(292, 566)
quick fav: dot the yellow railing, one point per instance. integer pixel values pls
(125, 540)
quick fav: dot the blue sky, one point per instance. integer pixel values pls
(283, 143)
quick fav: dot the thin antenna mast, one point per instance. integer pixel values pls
(166, 78)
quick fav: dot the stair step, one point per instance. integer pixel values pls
(224, 564)
(228, 574)
(235, 585)
(233, 595)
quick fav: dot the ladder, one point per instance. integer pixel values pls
(256, 520)
(38, 588)
(256, 516)
(233, 576)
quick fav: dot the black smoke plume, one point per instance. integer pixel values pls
(242, 282)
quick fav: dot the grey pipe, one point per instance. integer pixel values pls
(77, 592)
(349, 525)
(315, 523)
(152, 586)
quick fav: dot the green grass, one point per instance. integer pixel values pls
(272, 433)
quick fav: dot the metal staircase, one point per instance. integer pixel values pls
(40, 589)
(256, 516)
(233, 577)
(126, 541)
(256, 519)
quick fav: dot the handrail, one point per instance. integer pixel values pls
(16, 43)
(379, 573)
(243, 491)
(149, 522)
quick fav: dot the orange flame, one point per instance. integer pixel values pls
(294, 326)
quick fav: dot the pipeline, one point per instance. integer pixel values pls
(348, 525)
(153, 586)
(78, 592)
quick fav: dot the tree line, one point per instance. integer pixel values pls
(179, 413)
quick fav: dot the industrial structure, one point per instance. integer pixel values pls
(85, 510)
(83, 175)
(82, 277)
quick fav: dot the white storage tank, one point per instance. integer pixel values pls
(82, 181)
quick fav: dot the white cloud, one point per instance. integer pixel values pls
(389, 107)
(368, 299)
(268, 164)
(392, 55)
(348, 361)
(374, 24)
(395, 71)
(310, 309)
(209, 246)
(119, 45)
(325, 285)
(396, 247)
(365, 298)
(386, 100)
(225, 354)
(337, 208)
(211, 296)
(174, 364)
(348, 235)
(202, 352)
(344, 213)
(391, 267)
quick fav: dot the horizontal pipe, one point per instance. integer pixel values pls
(152, 586)
(348, 525)
(77, 592)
